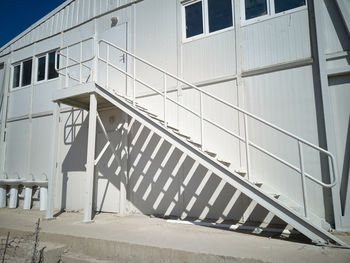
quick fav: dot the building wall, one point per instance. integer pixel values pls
(275, 78)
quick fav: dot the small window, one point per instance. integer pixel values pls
(16, 76)
(255, 8)
(194, 19)
(41, 68)
(27, 73)
(284, 5)
(220, 14)
(52, 71)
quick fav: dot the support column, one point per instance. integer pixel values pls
(90, 160)
(124, 168)
(52, 176)
(327, 105)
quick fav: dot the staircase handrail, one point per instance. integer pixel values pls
(246, 114)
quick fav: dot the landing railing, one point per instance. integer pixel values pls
(246, 115)
(68, 58)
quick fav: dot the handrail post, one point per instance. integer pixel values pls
(67, 64)
(201, 117)
(80, 64)
(247, 145)
(302, 173)
(164, 98)
(134, 82)
(107, 67)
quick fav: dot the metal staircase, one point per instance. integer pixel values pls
(299, 217)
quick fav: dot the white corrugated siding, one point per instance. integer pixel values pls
(71, 15)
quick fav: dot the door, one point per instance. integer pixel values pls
(109, 76)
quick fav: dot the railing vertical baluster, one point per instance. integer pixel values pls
(80, 64)
(134, 82)
(201, 117)
(107, 67)
(247, 145)
(67, 64)
(164, 98)
(302, 173)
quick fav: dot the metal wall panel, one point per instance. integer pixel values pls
(287, 99)
(41, 147)
(335, 35)
(277, 40)
(19, 102)
(16, 161)
(210, 57)
(156, 40)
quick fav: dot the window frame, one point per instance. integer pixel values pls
(271, 13)
(205, 19)
(46, 55)
(20, 64)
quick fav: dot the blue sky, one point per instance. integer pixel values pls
(17, 15)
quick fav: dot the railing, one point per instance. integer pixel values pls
(82, 63)
(300, 142)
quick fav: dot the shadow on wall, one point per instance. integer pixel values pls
(162, 181)
(75, 134)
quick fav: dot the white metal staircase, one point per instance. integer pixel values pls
(298, 216)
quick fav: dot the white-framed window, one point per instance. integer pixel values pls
(46, 66)
(255, 10)
(203, 17)
(22, 73)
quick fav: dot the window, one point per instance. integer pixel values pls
(255, 8)
(41, 68)
(220, 14)
(258, 8)
(52, 71)
(284, 5)
(46, 66)
(16, 76)
(206, 16)
(194, 19)
(22, 74)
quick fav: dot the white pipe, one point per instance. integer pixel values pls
(27, 204)
(2, 196)
(235, 227)
(43, 198)
(13, 196)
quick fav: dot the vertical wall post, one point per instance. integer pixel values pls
(239, 82)
(7, 79)
(54, 163)
(327, 104)
(90, 160)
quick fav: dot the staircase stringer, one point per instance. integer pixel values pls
(302, 224)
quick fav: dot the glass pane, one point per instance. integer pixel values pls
(27, 73)
(284, 5)
(255, 8)
(194, 19)
(41, 68)
(220, 14)
(16, 72)
(52, 71)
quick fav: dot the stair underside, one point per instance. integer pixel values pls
(303, 225)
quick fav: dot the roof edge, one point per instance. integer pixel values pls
(36, 24)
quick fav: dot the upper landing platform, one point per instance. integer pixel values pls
(79, 96)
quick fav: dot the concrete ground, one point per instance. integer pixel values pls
(129, 237)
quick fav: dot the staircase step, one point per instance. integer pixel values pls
(173, 128)
(241, 172)
(182, 135)
(211, 154)
(224, 162)
(194, 143)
